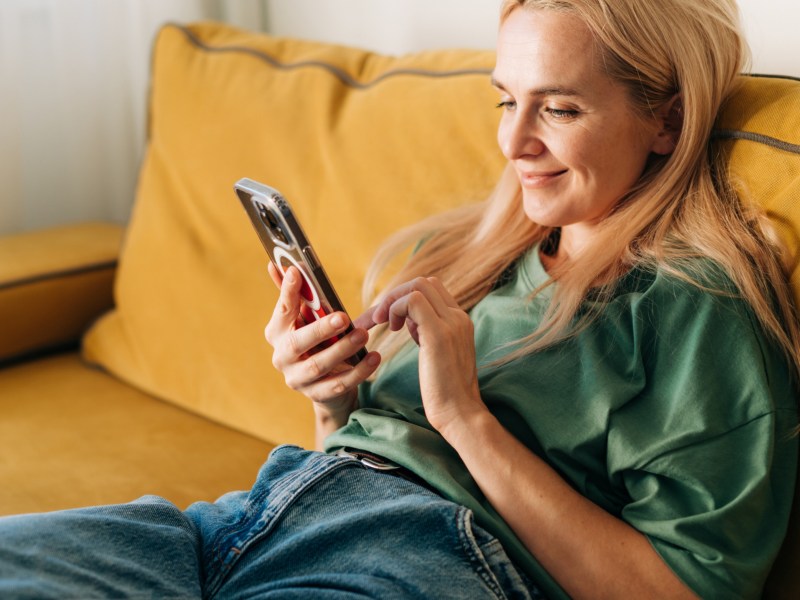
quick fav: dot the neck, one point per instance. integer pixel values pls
(564, 243)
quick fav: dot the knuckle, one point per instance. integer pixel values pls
(294, 344)
(284, 306)
(339, 387)
(415, 297)
(418, 283)
(322, 329)
(313, 368)
(292, 383)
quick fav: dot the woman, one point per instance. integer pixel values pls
(606, 120)
(601, 366)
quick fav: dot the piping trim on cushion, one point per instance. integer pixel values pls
(734, 134)
(58, 275)
(347, 79)
(340, 74)
(771, 76)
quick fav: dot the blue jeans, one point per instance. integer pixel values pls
(313, 526)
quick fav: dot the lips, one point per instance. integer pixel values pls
(535, 179)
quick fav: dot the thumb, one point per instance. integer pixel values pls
(288, 305)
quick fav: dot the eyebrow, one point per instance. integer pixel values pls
(554, 90)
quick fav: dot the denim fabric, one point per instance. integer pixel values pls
(313, 526)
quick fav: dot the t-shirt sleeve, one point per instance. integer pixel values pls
(706, 453)
(714, 510)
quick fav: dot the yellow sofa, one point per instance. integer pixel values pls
(166, 386)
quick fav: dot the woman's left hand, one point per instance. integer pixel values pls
(444, 333)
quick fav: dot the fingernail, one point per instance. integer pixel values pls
(289, 277)
(337, 321)
(373, 360)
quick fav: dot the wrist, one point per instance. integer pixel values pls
(468, 427)
(335, 415)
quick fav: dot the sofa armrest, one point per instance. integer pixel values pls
(53, 284)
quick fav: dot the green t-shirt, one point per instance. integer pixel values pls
(671, 411)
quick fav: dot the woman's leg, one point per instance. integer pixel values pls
(325, 527)
(313, 526)
(143, 549)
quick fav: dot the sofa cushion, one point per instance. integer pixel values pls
(760, 130)
(361, 144)
(69, 440)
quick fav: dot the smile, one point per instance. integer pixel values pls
(534, 180)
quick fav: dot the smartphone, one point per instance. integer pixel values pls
(287, 245)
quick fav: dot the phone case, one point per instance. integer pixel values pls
(287, 245)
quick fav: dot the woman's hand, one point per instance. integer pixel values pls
(445, 336)
(308, 365)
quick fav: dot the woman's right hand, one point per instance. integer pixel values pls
(318, 372)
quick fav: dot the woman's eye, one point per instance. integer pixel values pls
(561, 113)
(506, 104)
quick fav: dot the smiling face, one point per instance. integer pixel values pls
(569, 130)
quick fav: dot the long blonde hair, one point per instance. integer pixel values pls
(681, 208)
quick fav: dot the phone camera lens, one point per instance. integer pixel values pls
(271, 222)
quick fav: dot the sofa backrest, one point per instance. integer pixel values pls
(361, 144)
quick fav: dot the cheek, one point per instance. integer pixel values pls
(613, 159)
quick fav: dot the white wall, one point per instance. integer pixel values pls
(397, 26)
(73, 89)
(773, 31)
(388, 26)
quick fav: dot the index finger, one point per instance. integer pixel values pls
(438, 297)
(380, 312)
(365, 320)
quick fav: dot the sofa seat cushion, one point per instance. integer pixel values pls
(75, 436)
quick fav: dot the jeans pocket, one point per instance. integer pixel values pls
(491, 563)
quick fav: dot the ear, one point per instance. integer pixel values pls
(670, 121)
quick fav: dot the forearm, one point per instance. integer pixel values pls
(591, 553)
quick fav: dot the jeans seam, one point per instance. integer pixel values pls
(251, 518)
(475, 555)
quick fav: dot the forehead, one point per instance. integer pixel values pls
(547, 48)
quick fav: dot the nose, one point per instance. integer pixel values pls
(518, 137)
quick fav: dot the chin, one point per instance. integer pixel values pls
(542, 216)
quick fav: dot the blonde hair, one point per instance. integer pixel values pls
(682, 207)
